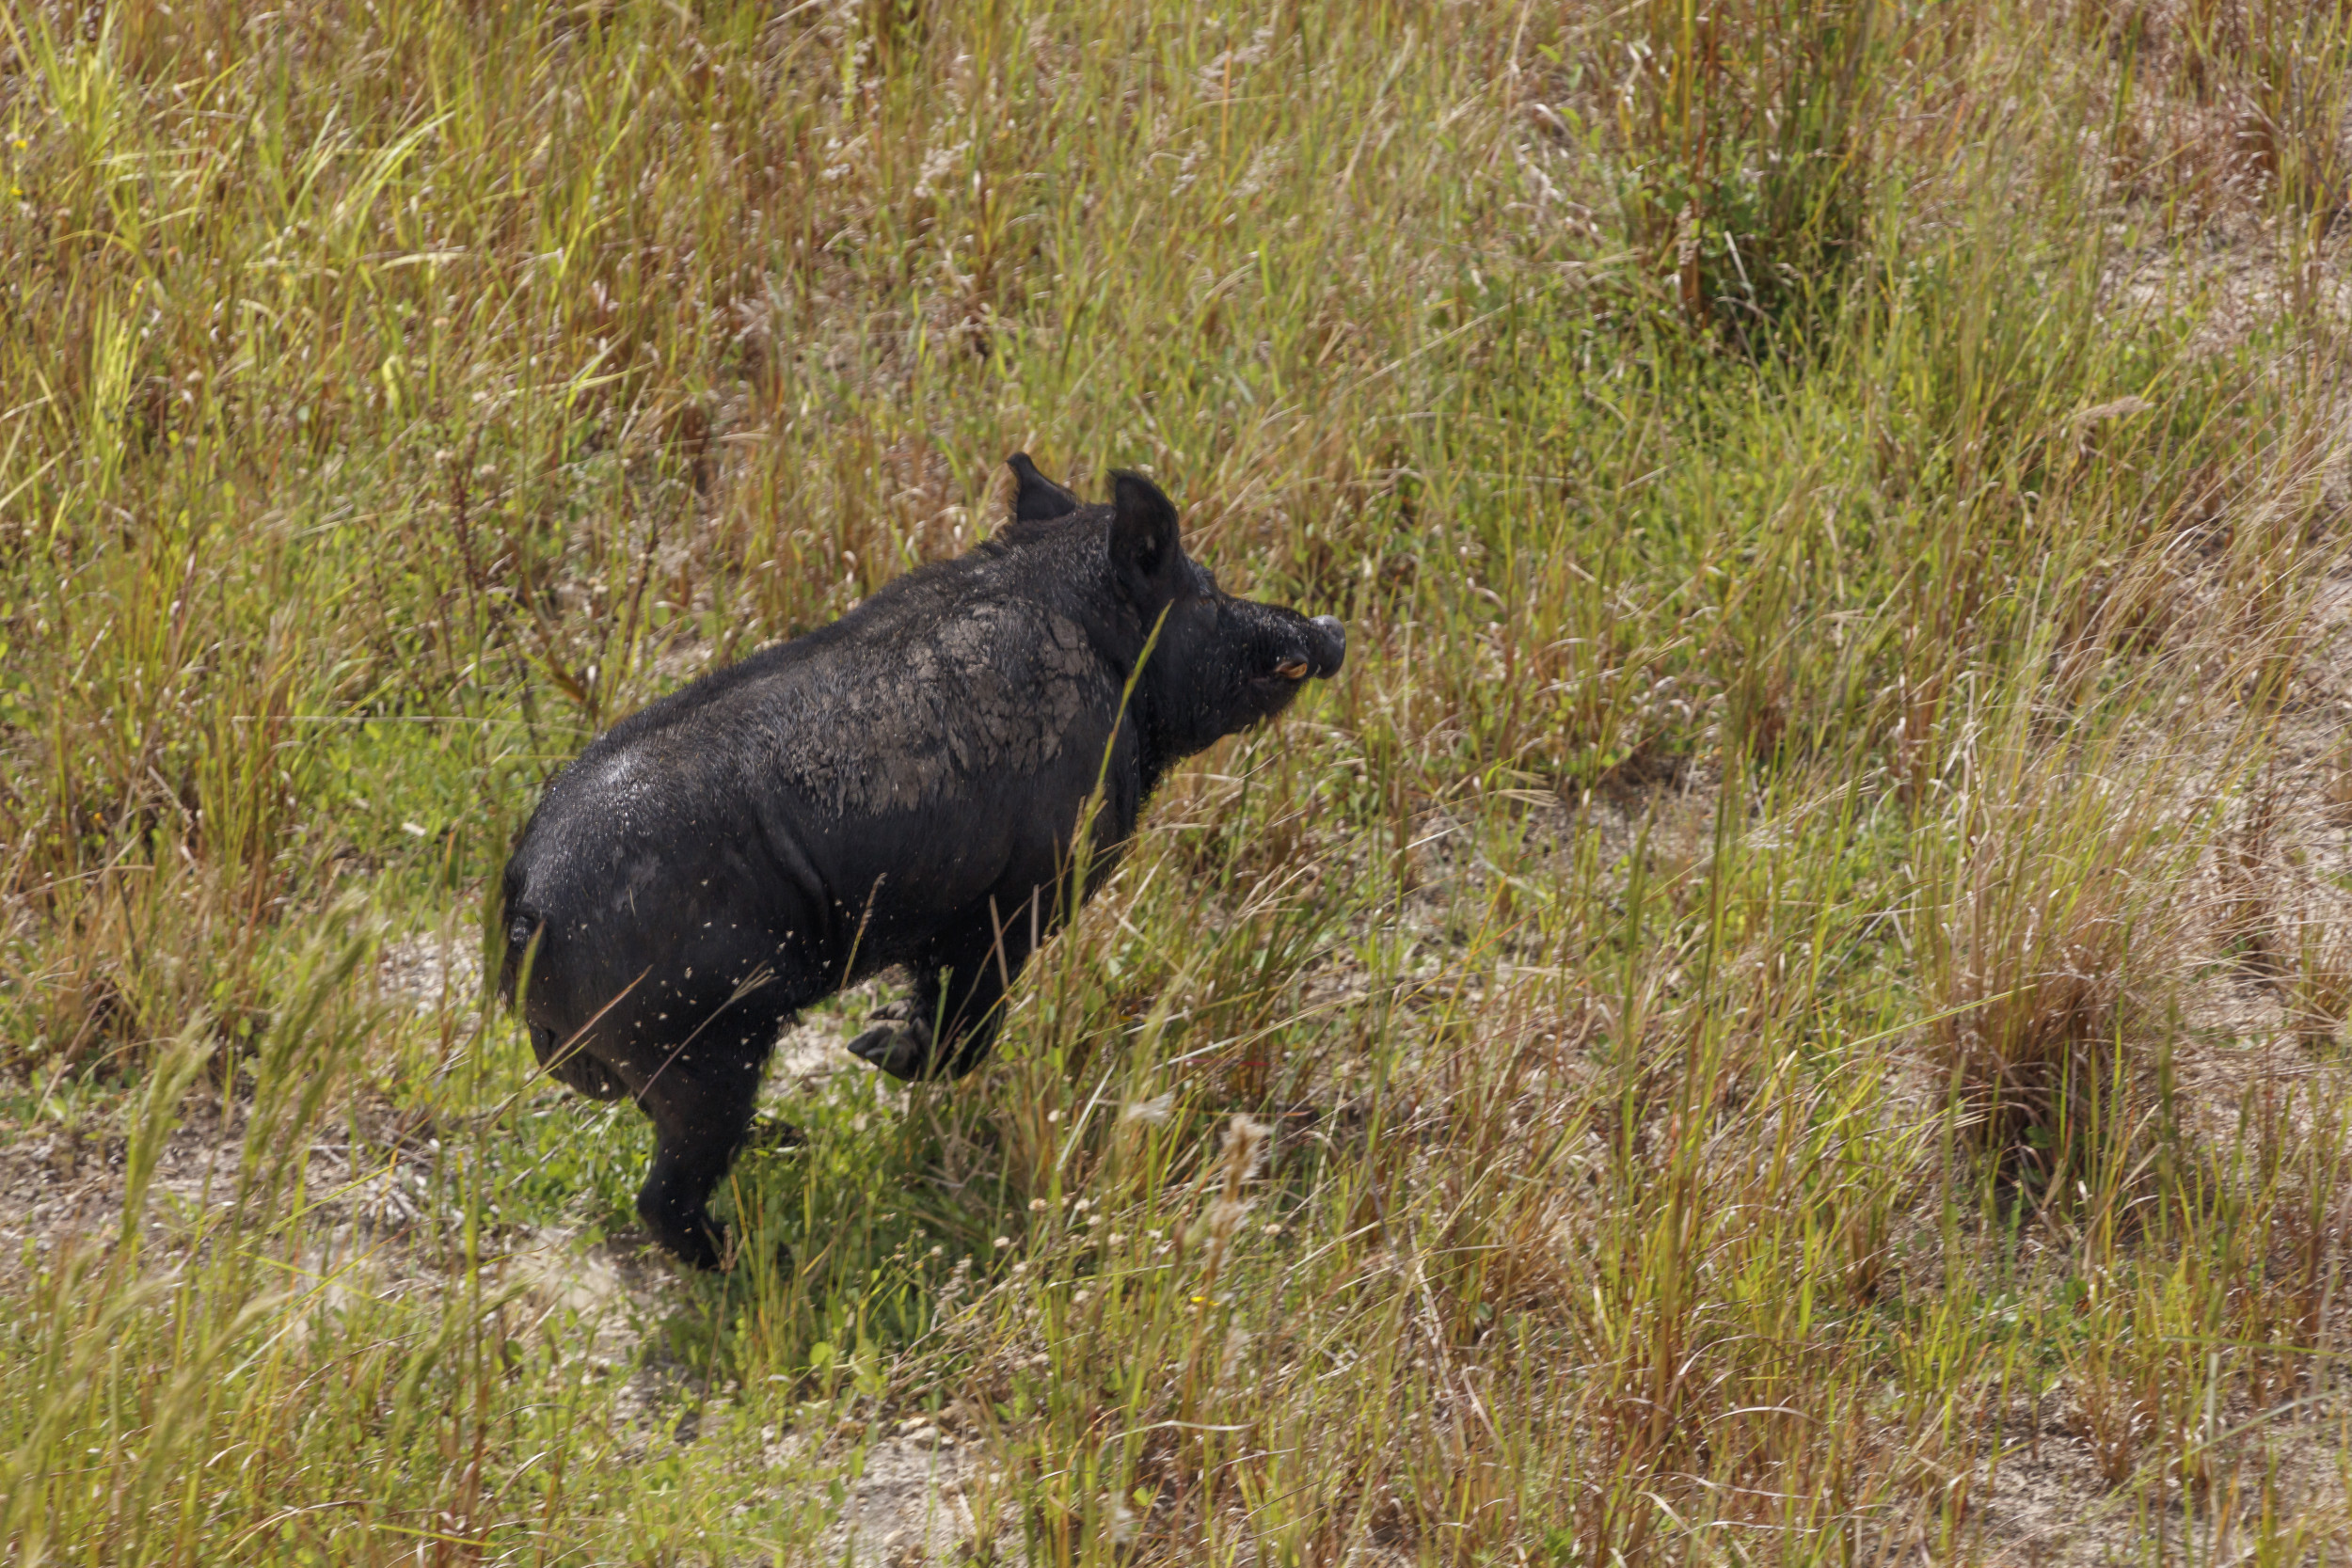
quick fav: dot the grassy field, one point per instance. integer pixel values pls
(1788, 1008)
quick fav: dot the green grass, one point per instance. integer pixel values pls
(1788, 1007)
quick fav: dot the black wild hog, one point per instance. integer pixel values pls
(900, 788)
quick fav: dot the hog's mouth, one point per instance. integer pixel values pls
(1284, 679)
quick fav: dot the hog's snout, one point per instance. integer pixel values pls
(1330, 639)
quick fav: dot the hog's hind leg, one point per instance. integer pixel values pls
(573, 1068)
(674, 1201)
(701, 1102)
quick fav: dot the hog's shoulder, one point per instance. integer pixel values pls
(962, 706)
(947, 687)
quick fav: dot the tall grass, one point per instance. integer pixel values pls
(1785, 1008)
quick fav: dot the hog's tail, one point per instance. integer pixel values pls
(520, 924)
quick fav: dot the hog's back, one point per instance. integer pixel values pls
(819, 809)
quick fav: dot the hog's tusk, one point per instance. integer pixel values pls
(1291, 669)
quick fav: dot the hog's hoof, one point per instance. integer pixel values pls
(772, 1133)
(902, 1049)
(709, 1251)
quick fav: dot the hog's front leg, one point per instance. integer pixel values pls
(946, 1025)
(899, 1041)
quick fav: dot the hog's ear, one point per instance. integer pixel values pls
(1035, 497)
(1147, 553)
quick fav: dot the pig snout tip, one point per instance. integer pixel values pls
(1331, 645)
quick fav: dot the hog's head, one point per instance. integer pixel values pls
(1215, 664)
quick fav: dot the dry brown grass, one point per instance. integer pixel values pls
(1788, 1008)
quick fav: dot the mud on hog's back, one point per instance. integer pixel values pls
(903, 786)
